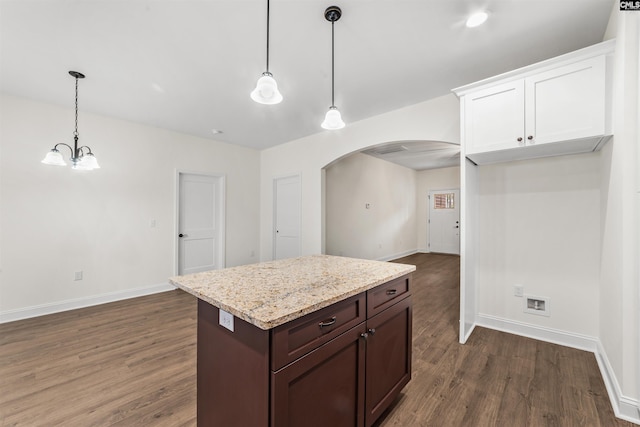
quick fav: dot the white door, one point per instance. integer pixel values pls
(444, 221)
(286, 217)
(200, 223)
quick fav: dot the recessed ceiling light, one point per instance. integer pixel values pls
(477, 19)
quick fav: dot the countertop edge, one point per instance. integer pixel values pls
(267, 325)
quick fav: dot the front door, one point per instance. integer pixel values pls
(444, 221)
(200, 223)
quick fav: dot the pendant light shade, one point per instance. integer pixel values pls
(333, 119)
(266, 91)
(81, 157)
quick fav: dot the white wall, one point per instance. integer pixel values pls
(435, 120)
(429, 180)
(384, 231)
(619, 279)
(55, 221)
(539, 226)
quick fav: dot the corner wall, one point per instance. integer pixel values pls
(619, 326)
(370, 208)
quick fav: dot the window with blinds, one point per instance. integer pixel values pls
(444, 201)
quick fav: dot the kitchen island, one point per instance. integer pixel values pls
(310, 341)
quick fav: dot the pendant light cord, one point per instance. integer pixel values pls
(332, 67)
(267, 36)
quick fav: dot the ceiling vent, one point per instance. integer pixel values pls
(388, 149)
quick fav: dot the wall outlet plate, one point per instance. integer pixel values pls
(226, 320)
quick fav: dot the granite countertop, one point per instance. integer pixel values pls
(269, 294)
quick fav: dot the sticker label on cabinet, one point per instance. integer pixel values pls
(226, 320)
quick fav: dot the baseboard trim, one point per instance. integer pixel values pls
(72, 304)
(555, 336)
(398, 255)
(624, 407)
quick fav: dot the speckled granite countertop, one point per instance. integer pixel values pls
(269, 294)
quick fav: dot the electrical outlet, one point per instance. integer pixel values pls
(226, 320)
(77, 275)
(518, 290)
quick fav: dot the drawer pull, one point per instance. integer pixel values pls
(392, 292)
(327, 322)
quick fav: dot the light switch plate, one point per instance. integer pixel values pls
(226, 320)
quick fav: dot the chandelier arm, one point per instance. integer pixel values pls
(81, 151)
(55, 147)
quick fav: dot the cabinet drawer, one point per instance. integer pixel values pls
(387, 294)
(298, 337)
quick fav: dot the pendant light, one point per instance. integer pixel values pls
(266, 91)
(81, 157)
(332, 120)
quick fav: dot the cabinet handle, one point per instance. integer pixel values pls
(392, 292)
(327, 322)
(371, 331)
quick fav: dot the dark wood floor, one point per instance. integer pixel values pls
(132, 363)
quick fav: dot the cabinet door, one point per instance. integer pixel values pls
(323, 388)
(566, 103)
(388, 357)
(494, 118)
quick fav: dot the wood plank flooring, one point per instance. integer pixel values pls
(132, 363)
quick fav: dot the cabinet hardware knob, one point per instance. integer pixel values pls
(327, 322)
(364, 335)
(392, 292)
(371, 331)
(530, 137)
(183, 235)
(519, 139)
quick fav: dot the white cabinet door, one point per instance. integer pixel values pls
(566, 103)
(494, 118)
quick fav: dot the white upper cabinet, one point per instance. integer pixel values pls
(559, 106)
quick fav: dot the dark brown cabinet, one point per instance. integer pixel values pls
(342, 365)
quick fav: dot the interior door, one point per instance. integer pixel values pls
(200, 223)
(444, 221)
(287, 217)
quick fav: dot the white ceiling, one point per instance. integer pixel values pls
(190, 65)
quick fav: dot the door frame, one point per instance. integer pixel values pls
(275, 211)
(220, 224)
(429, 193)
